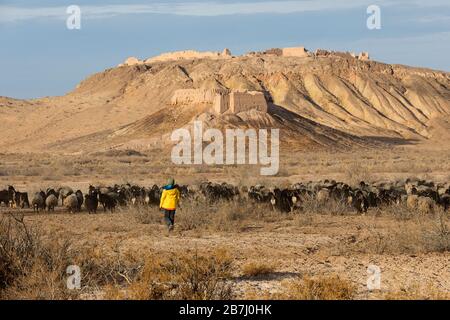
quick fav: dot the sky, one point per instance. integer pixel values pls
(40, 56)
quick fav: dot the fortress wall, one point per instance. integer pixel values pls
(364, 56)
(221, 103)
(188, 96)
(189, 54)
(131, 61)
(244, 101)
(295, 52)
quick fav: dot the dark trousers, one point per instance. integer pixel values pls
(169, 218)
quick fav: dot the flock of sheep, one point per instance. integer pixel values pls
(418, 195)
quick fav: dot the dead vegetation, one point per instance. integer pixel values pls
(419, 234)
(318, 288)
(30, 269)
(257, 269)
(194, 276)
(417, 292)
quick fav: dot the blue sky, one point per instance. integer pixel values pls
(40, 57)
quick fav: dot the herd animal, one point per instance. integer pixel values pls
(417, 195)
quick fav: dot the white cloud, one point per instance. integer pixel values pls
(434, 19)
(206, 8)
(9, 13)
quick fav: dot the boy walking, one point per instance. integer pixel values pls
(169, 202)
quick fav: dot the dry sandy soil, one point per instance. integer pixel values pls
(410, 252)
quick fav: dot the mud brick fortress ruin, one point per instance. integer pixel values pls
(224, 101)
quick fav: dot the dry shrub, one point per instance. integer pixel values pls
(33, 269)
(145, 214)
(399, 211)
(356, 172)
(319, 288)
(415, 292)
(437, 239)
(222, 216)
(421, 234)
(187, 277)
(119, 153)
(30, 269)
(99, 269)
(305, 220)
(310, 205)
(231, 216)
(257, 269)
(192, 217)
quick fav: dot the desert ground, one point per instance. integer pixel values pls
(322, 252)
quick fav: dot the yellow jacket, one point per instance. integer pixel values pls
(169, 199)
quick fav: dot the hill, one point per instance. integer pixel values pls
(319, 100)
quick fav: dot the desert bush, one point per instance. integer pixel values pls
(257, 269)
(310, 205)
(30, 269)
(229, 217)
(180, 276)
(437, 238)
(399, 211)
(145, 214)
(416, 292)
(118, 153)
(356, 172)
(222, 216)
(420, 234)
(319, 288)
(100, 270)
(192, 217)
(33, 269)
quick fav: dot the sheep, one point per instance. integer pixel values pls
(8, 196)
(38, 202)
(64, 192)
(445, 201)
(358, 201)
(21, 199)
(323, 195)
(109, 201)
(91, 202)
(52, 191)
(425, 205)
(420, 204)
(412, 201)
(80, 199)
(71, 203)
(51, 202)
(4, 197)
